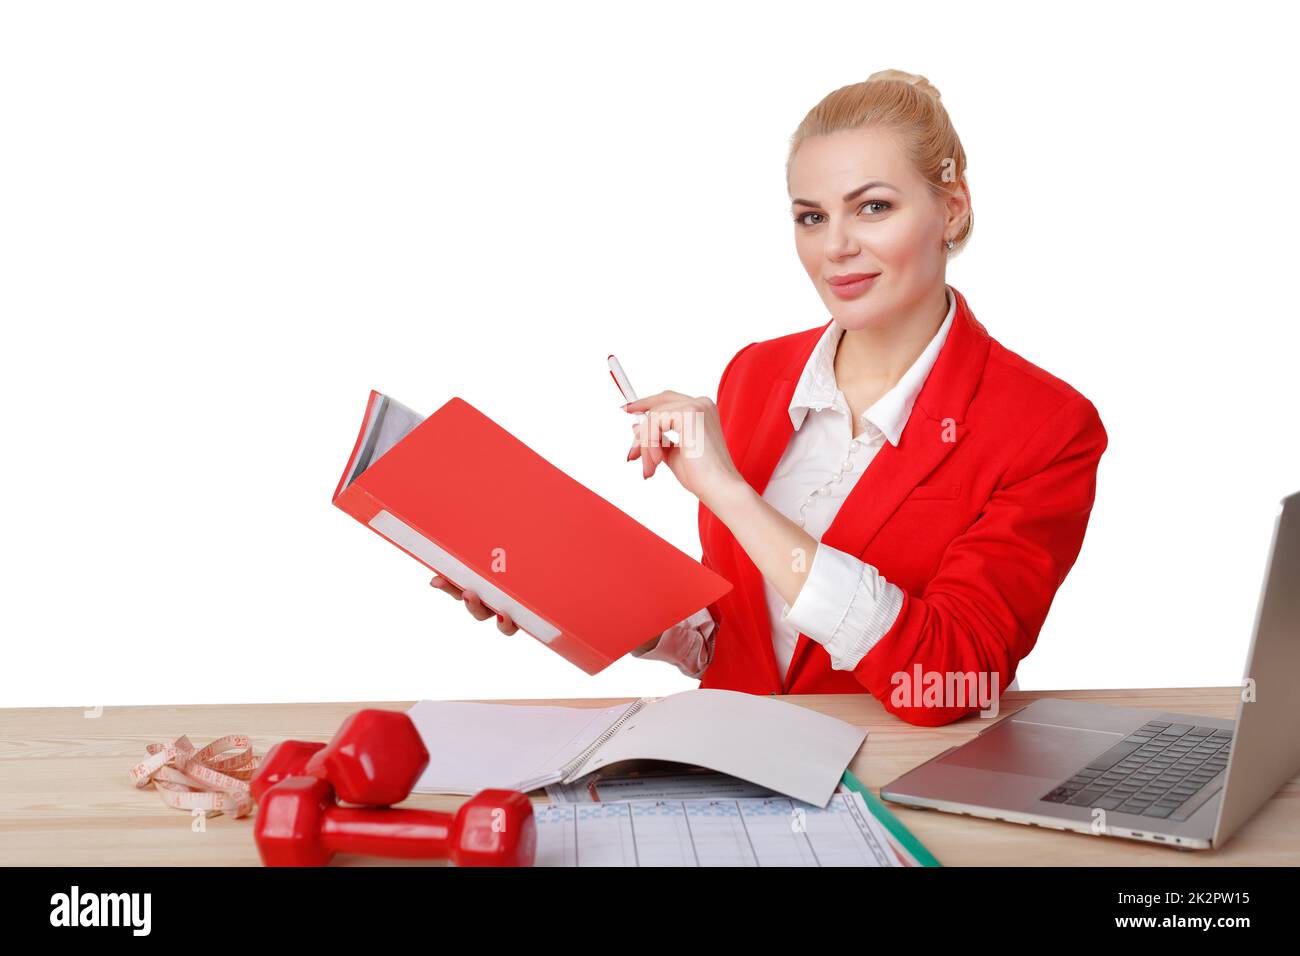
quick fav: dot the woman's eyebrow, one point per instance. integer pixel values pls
(850, 196)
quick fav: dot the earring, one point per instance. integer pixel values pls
(950, 243)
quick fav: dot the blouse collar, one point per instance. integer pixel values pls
(817, 388)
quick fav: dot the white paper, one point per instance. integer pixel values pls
(474, 746)
(773, 831)
(697, 785)
(786, 748)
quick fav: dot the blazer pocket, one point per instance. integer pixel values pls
(938, 491)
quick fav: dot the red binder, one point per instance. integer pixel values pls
(466, 498)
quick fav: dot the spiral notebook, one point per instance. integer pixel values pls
(787, 748)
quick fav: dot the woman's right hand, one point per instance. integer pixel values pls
(505, 624)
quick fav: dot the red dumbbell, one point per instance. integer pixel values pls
(288, 758)
(299, 824)
(374, 758)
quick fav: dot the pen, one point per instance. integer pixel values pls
(620, 379)
(629, 393)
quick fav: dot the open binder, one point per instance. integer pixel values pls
(790, 749)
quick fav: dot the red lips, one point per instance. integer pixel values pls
(849, 277)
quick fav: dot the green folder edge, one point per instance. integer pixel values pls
(890, 822)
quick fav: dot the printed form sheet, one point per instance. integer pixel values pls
(757, 831)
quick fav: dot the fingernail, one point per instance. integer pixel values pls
(501, 619)
(629, 454)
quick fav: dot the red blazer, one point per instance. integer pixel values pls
(977, 515)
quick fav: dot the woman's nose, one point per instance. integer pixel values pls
(840, 240)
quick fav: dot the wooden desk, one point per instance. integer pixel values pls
(65, 799)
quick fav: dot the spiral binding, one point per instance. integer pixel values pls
(573, 766)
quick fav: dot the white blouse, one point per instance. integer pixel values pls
(845, 604)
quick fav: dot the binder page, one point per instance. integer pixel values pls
(784, 747)
(681, 784)
(473, 746)
(758, 831)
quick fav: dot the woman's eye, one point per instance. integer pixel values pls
(873, 207)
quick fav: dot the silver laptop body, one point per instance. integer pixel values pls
(1176, 779)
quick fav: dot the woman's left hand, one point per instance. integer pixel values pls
(699, 458)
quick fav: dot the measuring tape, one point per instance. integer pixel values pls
(190, 779)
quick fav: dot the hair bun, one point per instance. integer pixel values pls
(912, 79)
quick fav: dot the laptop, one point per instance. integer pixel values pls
(1177, 779)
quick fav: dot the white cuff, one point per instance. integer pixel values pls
(688, 644)
(845, 605)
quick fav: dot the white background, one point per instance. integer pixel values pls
(222, 224)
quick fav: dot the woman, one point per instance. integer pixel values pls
(925, 578)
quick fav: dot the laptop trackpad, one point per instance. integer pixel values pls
(1034, 750)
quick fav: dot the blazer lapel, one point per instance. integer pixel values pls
(935, 427)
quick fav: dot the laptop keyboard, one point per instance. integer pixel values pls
(1160, 770)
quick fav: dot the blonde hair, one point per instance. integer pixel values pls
(907, 104)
